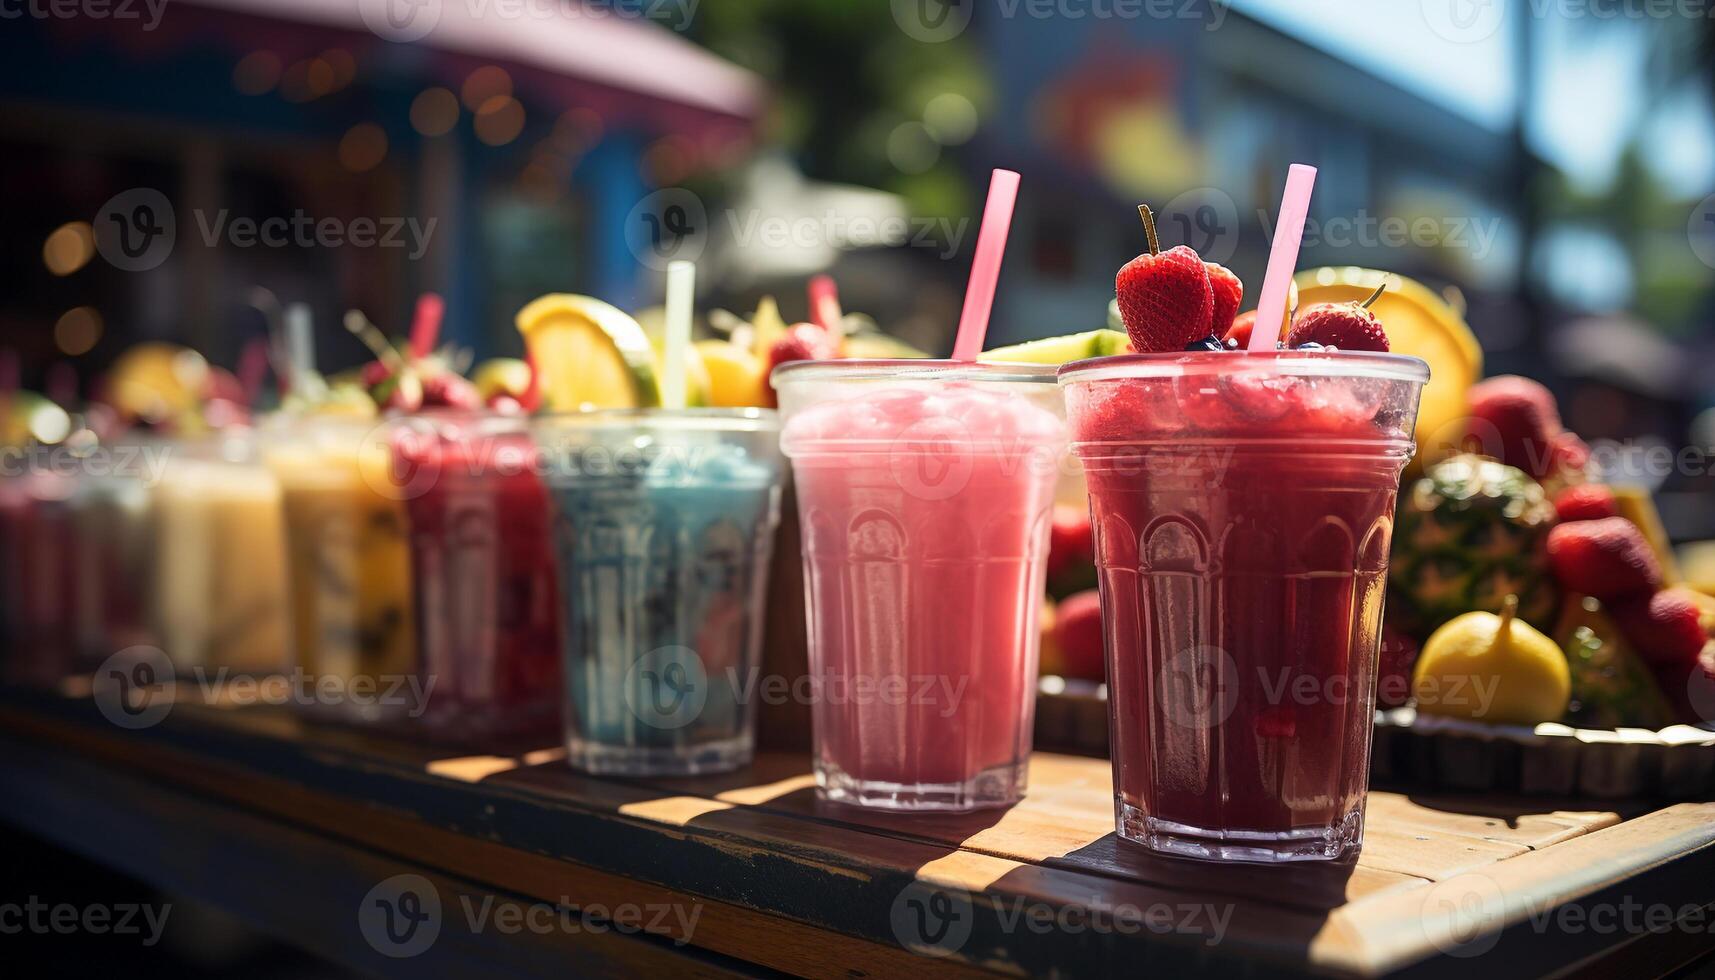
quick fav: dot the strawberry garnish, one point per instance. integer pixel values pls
(1164, 297)
(1227, 291)
(1348, 326)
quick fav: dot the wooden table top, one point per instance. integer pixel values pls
(779, 880)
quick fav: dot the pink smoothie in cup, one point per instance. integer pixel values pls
(925, 491)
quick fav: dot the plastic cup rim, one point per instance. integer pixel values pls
(913, 369)
(1337, 364)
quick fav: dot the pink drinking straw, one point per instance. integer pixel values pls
(426, 325)
(985, 268)
(1283, 257)
(825, 303)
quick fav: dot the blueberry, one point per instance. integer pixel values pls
(1309, 345)
(1210, 342)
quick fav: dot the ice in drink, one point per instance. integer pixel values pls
(925, 493)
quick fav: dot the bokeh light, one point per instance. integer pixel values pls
(500, 120)
(487, 82)
(950, 118)
(78, 330)
(911, 149)
(362, 148)
(256, 73)
(435, 111)
(69, 248)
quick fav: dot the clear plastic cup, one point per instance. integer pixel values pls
(112, 520)
(38, 579)
(348, 562)
(664, 526)
(925, 495)
(1242, 506)
(218, 560)
(482, 570)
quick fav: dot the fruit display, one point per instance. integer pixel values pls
(1470, 532)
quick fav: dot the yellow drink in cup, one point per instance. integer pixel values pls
(348, 569)
(220, 563)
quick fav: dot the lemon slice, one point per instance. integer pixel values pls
(1061, 350)
(589, 354)
(1419, 323)
(735, 375)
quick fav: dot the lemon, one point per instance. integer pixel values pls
(735, 375)
(1492, 668)
(589, 354)
(156, 382)
(1061, 350)
(1419, 323)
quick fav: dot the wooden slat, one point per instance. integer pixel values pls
(263, 871)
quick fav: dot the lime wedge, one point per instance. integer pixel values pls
(1060, 350)
(589, 354)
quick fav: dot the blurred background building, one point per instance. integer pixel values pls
(1552, 163)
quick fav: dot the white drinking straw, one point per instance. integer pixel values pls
(681, 294)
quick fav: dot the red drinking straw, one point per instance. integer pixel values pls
(426, 325)
(985, 268)
(253, 369)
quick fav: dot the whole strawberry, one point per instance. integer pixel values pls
(802, 342)
(1164, 297)
(1607, 558)
(1227, 291)
(1666, 628)
(1586, 502)
(1516, 421)
(1238, 336)
(1348, 326)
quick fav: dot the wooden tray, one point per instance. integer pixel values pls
(1676, 763)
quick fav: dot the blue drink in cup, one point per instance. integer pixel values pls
(663, 526)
